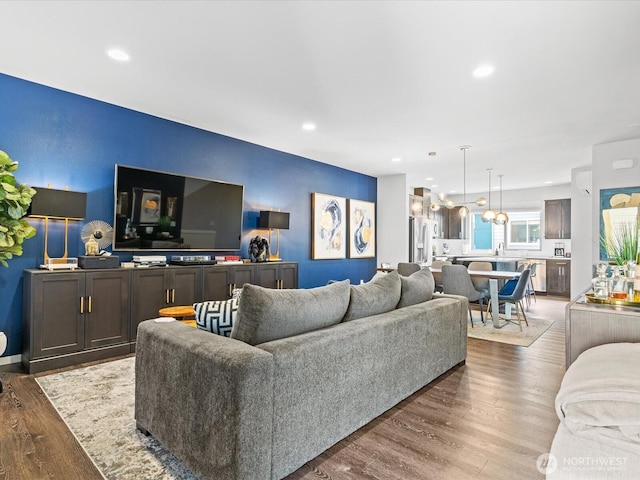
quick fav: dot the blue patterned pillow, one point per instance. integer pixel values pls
(216, 316)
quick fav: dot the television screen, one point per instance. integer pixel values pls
(163, 211)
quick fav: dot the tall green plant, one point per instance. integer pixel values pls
(14, 201)
(622, 244)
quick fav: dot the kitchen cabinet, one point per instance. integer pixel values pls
(450, 224)
(74, 317)
(559, 277)
(557, 218)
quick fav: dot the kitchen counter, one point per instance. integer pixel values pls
(500, 258)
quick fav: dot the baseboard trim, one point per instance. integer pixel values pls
(10, 359)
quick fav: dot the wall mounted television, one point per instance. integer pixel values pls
(165, 211)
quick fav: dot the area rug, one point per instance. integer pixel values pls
(97, 404)
(510, 333)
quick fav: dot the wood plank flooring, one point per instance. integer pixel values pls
(488, 419)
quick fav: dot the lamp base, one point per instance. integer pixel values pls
(70, 263)
(274, 259)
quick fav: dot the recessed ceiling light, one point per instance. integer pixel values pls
(435, 186)
(548, 182)
(309, 127)
(119, 55)
(429, 179)
(483, 71)
(396, 159)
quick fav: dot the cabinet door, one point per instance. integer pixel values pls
(57, 314)
(557, 218)
(267, 275)
(216, 283)
(106, 308)
(455, 223)
(184, 285)
(148, 296)
(552, 219)
(241, 274)
(558, 278)
(565, 230)
(289, 275)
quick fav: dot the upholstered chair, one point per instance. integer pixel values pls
(479, 283)
(437, 277)
(406, 269)
(456, 281)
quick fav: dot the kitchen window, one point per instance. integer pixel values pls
(522, 232)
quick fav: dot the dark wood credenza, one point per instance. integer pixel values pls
(71, 317)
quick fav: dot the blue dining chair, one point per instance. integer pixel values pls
(514, 291)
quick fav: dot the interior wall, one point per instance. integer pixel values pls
(67, 140)
(581, 208)
(393, 219)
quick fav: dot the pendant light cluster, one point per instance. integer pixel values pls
(490, 215)
(448, 203)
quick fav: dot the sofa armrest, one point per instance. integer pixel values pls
(207, 398)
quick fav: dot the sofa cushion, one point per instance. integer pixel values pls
(266, 314)
(216, 316)
(380, 295)
(416, 288)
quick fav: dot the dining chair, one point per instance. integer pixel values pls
(457, 281)
(480, 283)
(515, 294)
(405, 269)
(437, 277)
(530, 292)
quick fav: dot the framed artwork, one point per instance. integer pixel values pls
(362, 229)
(619, 208)
(329, 227)
(146, 206)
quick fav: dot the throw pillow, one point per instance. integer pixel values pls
(266, 314)
(380, 295)
(216, 316)
(416, 288)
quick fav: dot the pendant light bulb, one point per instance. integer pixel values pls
(464, 211)
(481, 202)
(435, 207)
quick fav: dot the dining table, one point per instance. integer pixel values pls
(493, 276)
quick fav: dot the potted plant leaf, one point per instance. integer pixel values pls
(621, 245)
(14, 201)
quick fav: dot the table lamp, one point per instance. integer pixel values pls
(274, 221)
(60, 205)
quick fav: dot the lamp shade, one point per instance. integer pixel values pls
(276, 220)
(48, 202)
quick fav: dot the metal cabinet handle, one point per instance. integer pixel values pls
(173, 295)
(90, 302)
(81, 304)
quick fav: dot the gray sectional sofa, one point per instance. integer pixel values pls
(302, 370)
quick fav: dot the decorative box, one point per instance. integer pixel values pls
(98, 261)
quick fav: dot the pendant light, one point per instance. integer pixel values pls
(501, 217)
(489, 215)
(464, 210)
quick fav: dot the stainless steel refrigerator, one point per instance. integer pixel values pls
(422, 233)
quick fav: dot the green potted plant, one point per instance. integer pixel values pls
(14, 201)
(621, 245)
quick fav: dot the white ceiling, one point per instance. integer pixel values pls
(381, 79)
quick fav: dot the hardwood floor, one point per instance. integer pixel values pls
(488, 419)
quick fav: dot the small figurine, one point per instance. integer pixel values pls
(91, 247)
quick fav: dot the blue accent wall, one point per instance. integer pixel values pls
(68, 140)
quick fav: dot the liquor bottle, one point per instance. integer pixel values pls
(618, 285)
(600, 283)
